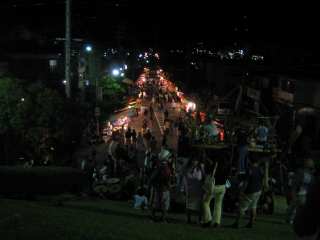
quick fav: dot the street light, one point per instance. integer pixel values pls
(118, 73)
(115, 72)
(89, 62)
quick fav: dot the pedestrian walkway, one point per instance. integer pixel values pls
(160, 120)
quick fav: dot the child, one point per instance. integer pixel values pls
(140, 200)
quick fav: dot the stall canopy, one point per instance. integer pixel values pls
(119, 119)
(132, 107)
(126, 105)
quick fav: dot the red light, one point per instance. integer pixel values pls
(221, 134)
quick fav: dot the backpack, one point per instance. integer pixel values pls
(156, 177)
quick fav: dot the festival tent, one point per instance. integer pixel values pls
(127, 81)
(128, 104)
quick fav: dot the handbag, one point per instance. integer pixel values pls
(210, 182)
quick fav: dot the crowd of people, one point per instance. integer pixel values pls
(197, 200)
(132, 141)
(190, 172)
(305, 192)
(44, 158)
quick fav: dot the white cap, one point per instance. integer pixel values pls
(164, 154)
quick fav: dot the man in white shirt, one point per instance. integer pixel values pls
(261, 132)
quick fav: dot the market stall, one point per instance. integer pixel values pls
(119, 122)
(122, 118)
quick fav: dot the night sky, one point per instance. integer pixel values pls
(171, 25)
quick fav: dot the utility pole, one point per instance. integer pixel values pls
(155, 40)
(68, 48)
(188, 62)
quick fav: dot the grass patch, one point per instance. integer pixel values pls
(96, 218)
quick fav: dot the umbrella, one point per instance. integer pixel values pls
(127, 81)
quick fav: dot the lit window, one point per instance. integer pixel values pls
(53, 65)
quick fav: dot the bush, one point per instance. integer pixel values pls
(40, 180)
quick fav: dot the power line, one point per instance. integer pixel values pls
(209, 11)
(31, 5)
